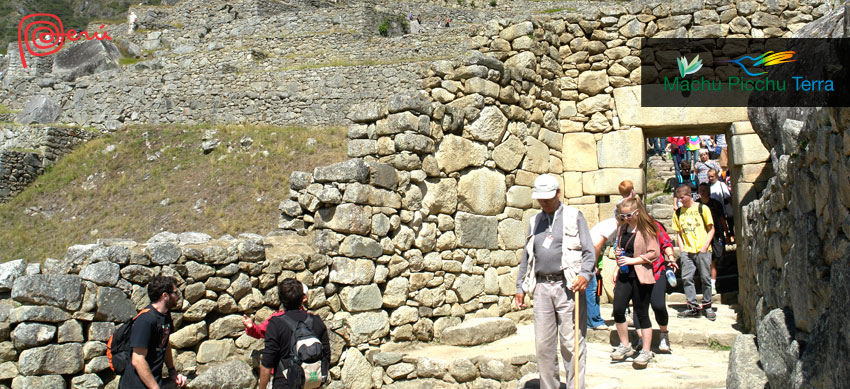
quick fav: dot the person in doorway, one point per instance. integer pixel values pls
(696, 231)
(720, 144)
(704, 165)
(676, 147)
(686, 177)
(720, 191)
(557, 261)
(718, 216)
(692, 146)
(149, 339)
(637, 249)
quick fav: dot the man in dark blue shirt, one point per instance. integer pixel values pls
(149, 339)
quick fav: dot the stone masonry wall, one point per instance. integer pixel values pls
(26, 150)
(794, 283)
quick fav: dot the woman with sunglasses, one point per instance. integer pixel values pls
(637, 249)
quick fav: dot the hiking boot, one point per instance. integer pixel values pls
(664, 343)
(642, 359)
(690, 312)
(621, 352)
(709, 313)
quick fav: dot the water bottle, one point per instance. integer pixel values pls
(671, 277)
(624, 268)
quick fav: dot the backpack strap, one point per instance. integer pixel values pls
(140, 313)
(292, 359)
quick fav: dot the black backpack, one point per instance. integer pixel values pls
(118, 345)
(303, 367)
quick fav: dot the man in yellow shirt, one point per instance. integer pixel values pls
(696, 230)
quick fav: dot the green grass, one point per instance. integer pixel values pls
(553, 10)
(119, 193)
(129, 60)
(712, 344)
(4, 109)
(107, 21)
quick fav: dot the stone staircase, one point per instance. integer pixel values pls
(699, 358)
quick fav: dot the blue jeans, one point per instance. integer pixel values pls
(594, 318)
(658, 145)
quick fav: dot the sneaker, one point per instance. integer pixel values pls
(601, 327)
(709, 313)
(690, 312)
(664, 343)
(642, 359)
(621, 352)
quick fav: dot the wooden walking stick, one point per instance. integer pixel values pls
(575, 349)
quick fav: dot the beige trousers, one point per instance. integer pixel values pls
(553, 322)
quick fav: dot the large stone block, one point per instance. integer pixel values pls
(353, 170)
(748, 149)
(744, 370)
(482, 191)
(519, 197)
(489, 127)
(456, 153)
(467, 287)
(360, 247)
(511, 234)
(38, 382)
(216, 350)
(52, 359)
(347, 218)
(581, 154)
(63, 291)
(517, 30)
(35, 313)
(440, 196)
(366, 326)
(229, 326)
(39, 109)
(758, 172)
(189, 336)
(9, 272)
(624, 148)
(607, 181)
(101, 273)
(631, 113)
(474, 231)
(361, 298)
(356, 372)
(86, 58)
(29, 335)
(592, 82)
(509, 153)
(572, 186)
(352, 272)
(226, 375)
(536, 157)
(591, 105)
(113, 305)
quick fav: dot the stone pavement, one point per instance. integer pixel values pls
(692, 364)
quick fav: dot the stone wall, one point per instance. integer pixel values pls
(55, 326)
(794, 283)
(26, 150)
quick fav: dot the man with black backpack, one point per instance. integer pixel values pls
(297, 345)
(694, 223)
(148, 340)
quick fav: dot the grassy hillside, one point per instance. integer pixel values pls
(138, 182)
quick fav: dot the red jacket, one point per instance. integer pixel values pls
(664, 241)
(259, 330)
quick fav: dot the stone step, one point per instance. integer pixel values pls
(685, 367)
(690, 332)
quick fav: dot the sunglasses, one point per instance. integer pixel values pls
(627, 216)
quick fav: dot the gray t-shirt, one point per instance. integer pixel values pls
(549, 259)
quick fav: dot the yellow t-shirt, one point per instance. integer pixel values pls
(693, 227)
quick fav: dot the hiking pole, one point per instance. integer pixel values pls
(575, 349)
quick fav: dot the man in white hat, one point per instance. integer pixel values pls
(558, 255)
